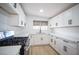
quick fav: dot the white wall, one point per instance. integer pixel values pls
(4, 25)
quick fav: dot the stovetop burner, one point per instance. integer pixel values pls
(14, 41)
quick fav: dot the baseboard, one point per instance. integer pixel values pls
(54, 49)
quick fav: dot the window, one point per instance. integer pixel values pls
(43, 27)
(40, 25)
(36, 27)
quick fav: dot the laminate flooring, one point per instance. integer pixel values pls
(42, 50)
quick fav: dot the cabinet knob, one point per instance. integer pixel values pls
(55, 42)
(70, 21)
(51, 40)
(21, 22)
(65, 48)
(56, 24)
(41, 38)
(66, 41)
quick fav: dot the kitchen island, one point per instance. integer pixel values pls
(10, 50)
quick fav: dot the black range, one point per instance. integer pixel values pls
(13, 41)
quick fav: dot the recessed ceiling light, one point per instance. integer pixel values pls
(41, 10)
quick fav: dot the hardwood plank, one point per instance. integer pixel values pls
(42, 50)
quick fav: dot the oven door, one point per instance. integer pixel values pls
(27, 46)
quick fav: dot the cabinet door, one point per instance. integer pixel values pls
(68, 50)
(71, 16)
(58, 45)
(31, 39)
(59, 21)
(51, 23)
(54, 22)
(75, 15)
(67, 18)
(35, 39)
(52, 42)
(45, 39)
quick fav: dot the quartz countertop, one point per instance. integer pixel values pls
(10, 50)
(70, 38)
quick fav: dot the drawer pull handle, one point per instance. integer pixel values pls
(65, 48)
(66, 41)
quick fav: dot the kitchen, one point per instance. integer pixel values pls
(39, 29)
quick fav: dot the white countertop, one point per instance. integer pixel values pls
(10, 50)
(72, 38)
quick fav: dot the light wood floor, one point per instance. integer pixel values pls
(42, 50)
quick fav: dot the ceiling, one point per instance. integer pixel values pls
(46, 10)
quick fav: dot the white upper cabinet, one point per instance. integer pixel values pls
(17, 16)
(50, 23)
(75, 15)
(18, 20)
(58, 21)
(71, 16)
(67, 18)
(10, 8)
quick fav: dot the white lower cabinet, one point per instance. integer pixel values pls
(35, 39)
(51, 42)
(45, 39)
(58, 45)
(63, 47)
(69, 48)
(39, 39)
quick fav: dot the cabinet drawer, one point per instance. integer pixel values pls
(69, 50)
(71, 44)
